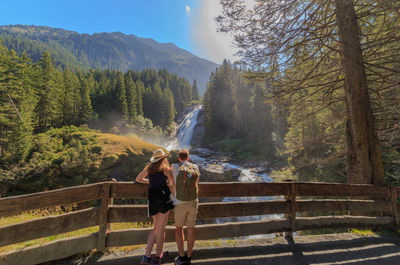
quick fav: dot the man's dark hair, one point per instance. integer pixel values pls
(183, 154)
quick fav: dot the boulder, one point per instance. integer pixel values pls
(218, 173)
(202, 152)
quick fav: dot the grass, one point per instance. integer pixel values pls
(117, 144)
(363, 232)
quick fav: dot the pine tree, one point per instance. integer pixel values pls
(167, 105)
(47, 106)
(67, 103)
(261, 120)
(16, 106)
(139, 91)
(122, 105)
(131, 97)
(85, 105)
(195, 91)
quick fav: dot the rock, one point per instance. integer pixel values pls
(212, 172)
(261, 170)
(232, 174)
(202, 152)
(198, 131)
(218, 173)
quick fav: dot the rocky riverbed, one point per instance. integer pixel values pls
(220, 167)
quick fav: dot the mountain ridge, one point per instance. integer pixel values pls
(103, 50)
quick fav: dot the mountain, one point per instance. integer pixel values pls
(106, 51)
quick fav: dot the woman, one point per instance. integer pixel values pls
(159, 176)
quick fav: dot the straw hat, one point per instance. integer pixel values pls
(158, 155)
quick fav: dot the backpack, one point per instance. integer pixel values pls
(186, 182)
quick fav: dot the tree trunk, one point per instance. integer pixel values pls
(364, 161)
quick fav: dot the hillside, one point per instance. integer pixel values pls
(106, 51)
(73, 156)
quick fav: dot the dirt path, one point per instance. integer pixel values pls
(322, 249)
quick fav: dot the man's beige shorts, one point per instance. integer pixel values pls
(186, 214)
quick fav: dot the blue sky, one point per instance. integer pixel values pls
(187, 23)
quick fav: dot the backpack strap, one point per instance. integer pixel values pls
(189, 165)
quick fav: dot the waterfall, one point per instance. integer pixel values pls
(185, 131)
(183, 141)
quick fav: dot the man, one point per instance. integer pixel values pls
(186, 178)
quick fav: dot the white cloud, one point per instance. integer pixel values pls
(187, 10)
(206, 41)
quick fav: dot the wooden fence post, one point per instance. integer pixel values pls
(395, 209)
(291, 198)
(106, 200)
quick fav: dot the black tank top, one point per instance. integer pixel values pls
(157, 180)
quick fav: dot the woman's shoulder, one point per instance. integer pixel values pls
(166, 168)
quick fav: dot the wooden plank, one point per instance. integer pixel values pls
(55, 250)
(241, 189)
(344, 205)
(128, 213)
(346, 221)
(291, 198)
(16, 204)
(203, 232)
(48, 226)
(236, 209)
(207, 189)
(138, 213)
(129, 190)
(337, 189)
(395, 209)
(103, 216)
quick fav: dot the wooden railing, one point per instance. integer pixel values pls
(349, 206)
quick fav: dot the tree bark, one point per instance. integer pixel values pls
(364, 160)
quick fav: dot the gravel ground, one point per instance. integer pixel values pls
(343, 248)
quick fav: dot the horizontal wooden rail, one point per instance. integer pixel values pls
(210, 189)
(48, 226)
(323, 222)
(58, 249)
(207, 211)
(336, 189)
(242, 189)
(203, 232)
(362, 206)
(237, 229)
(16, 204)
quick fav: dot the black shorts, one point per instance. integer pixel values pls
(160, 200)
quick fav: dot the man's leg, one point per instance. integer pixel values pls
(180, 219)
(180, 238)
(191, 237)
(191, 222)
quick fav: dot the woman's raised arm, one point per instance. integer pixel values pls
(140, 178)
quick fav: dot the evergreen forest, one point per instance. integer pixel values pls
(36, 97)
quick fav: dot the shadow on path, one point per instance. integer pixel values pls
(364, 250)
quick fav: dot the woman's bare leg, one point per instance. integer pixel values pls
(152, 236)
(162, 222)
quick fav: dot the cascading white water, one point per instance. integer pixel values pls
(185, 131)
